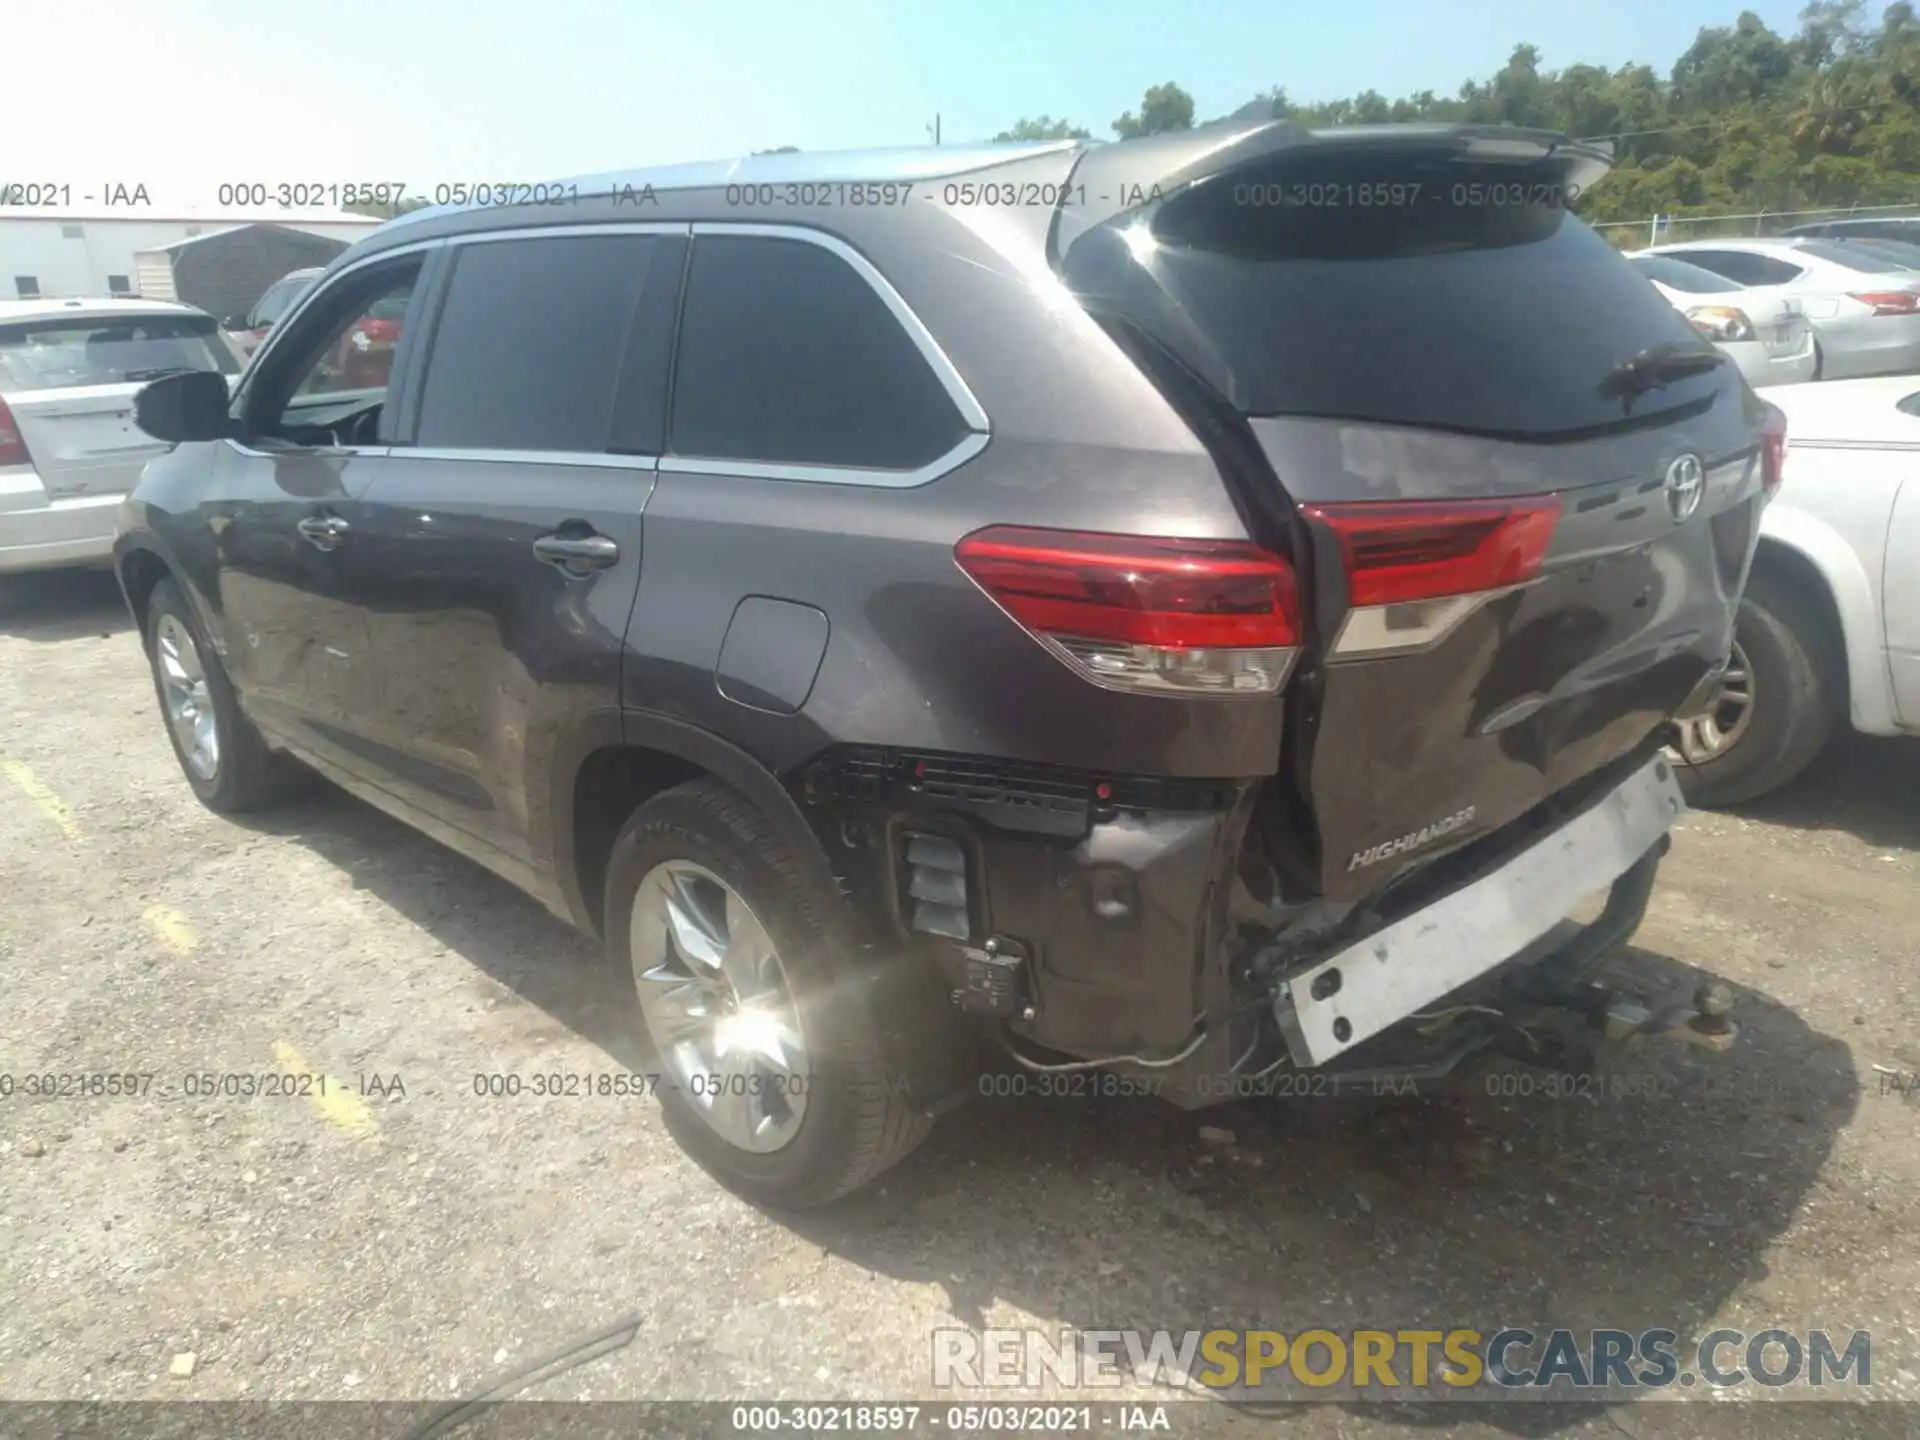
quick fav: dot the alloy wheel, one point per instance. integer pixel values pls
(717, 1003)
(1717, 726)
(188, 702)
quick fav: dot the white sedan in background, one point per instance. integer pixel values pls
(1830, 626)
(69, 450)
(1864, 306)
(1761, 331)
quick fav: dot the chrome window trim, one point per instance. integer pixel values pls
(556, 232)
(327, 452)
(606, 460)
(970, 445)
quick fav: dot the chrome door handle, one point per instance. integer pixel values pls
(324, 532)
(577, 553)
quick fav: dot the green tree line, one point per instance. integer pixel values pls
(1745, 120)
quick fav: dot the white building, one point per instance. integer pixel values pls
(90, 251)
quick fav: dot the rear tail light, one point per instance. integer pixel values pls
(1773, 449)
(13, 445)
(1889, 302)
(1142, 612)
(1721, 322)
(1416, 569)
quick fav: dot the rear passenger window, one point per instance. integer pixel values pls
(788, 356)
(541, 342)
(1741, 266)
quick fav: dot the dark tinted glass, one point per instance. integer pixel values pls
(787, 355)
(1744, 267)
(528, 349)
(1900, 252)
(1862, 256)
(1397, 286)
(278, 300)
(1678, 275)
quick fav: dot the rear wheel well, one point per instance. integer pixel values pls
(611, 783)
(140, 571)
(1785, 570)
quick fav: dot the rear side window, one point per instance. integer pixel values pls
(277, 301)
(1865, 257)
(1744, 267)
(1678, 275)
(788, 356)
(1404, 286)
(531, 350)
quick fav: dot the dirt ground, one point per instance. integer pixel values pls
(409, 1241)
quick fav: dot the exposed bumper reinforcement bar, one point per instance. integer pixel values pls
(1357, 993)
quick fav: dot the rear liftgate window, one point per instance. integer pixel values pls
(1400, 287)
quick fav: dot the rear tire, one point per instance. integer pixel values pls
(1797, 685)
(236, 772)
(857, 1119)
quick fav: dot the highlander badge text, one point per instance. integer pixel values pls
(1376, 853)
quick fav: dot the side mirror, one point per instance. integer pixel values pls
(185, 407)
(235, 322)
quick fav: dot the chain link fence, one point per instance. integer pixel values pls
(1664, 229)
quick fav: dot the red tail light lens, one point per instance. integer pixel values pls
(1143, 589)
(1773, 449)
(13, 445)
(1402, 551)
(1145, 612)
(1889, 302)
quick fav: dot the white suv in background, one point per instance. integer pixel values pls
(69, 448)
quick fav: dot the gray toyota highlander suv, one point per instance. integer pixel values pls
(1195, 614)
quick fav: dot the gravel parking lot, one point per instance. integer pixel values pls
(401, 1237)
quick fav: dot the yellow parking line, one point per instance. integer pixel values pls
(35, 789)
(172, 929)
(333, 1099)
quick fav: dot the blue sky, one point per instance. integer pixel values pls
(184, 94)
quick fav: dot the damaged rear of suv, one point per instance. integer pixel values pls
(1204, 608)
(1495, 511)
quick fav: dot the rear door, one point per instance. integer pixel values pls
(70, 384)
(501, 543)
(1522, 491)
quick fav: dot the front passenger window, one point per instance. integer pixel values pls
(328, 379)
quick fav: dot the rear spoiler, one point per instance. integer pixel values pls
(1112, 180)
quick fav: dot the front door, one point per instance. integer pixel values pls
(285, 513)
(499, 551)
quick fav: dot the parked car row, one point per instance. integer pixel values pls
(1860, 298)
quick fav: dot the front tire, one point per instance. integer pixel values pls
(758, 1017)
(1788, 686)
(223, 756)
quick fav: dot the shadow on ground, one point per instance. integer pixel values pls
(1646, 1200)
(53, 605)
(1867, 786)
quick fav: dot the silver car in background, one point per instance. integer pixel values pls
(69, 448)
(1760, 330)
(1864, 306)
